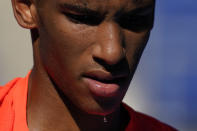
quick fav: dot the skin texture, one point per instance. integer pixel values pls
(67, 48)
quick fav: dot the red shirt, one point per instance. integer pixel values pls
(13, 99)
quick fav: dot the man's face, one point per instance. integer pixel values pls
(90, 48)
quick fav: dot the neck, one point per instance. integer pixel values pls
(48, 107)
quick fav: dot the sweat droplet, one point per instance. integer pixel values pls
(105, 119)
(98, 85)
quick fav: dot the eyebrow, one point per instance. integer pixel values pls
(80, 9)
(84, 10)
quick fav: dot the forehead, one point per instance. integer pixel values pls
(108, 4)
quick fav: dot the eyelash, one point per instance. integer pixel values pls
(133, 22)
(84, 19)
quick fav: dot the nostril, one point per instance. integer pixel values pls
(101, 62)
(122, 66)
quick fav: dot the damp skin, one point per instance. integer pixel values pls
(101, 40)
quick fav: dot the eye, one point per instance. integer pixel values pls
(84, 19)
(137, 21)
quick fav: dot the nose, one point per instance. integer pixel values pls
(109, 45)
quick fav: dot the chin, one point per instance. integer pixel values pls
(105, 107)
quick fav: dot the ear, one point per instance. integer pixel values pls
(25, 13)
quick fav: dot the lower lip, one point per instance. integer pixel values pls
(101, 89)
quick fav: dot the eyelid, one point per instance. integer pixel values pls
(137, 20)
(146, 11)
(84, 18)
(142, 10)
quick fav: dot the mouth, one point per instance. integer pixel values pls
(103, 84)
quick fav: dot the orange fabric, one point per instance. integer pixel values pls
(13, 99)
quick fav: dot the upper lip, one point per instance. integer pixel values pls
(104, 76)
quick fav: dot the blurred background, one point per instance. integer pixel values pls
(165, 83)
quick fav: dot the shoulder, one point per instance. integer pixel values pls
(13, 87)
(7, 88)
(142, 122)
(6, 102)
(13, 98)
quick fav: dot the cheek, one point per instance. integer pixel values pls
(70, 38)
(135, 44)
(64, 41)
(64, 49)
